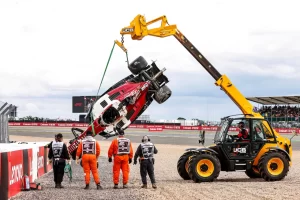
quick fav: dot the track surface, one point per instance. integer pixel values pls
(229, 185)
(135, 135)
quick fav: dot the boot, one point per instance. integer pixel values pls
(125, 186)
(87, 186)
(144, 186)
(60, 186)
(99, 187)
(56, 186)
(154, 186)
(116, 186)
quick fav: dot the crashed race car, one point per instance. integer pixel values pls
(124, 102)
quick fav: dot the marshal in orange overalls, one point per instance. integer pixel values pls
(121, 149)
(89, 148)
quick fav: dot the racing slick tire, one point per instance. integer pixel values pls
(138, 65)
(273, 166)
(163, 94)
(204, 167)
(251, 173)
(183, 165)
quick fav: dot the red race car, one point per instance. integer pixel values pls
(125, 101)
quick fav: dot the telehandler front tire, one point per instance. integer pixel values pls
(182, 165)
(204, 167)
(273, 166)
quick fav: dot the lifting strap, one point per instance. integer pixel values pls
(92, 119)
(121, 45)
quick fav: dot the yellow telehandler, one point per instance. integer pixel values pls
(257, 148)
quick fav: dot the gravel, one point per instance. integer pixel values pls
(229, 185)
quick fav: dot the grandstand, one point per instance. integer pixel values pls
(281, 111)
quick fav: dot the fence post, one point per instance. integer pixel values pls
(5, 109)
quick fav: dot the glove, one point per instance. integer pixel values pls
(50, 161)
(109, 159)
(135, 162)
(130, 160)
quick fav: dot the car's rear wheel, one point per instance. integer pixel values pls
(138, 65)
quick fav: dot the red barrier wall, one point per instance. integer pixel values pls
(15, 172)
(3, 175)
(47, 165)
(27, 163)
(143, 126)
(0, 171)
(40, 161)
(15, 164)
(47, 124)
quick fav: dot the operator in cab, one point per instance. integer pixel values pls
(146, 151)
(243, 133)
(58, 154)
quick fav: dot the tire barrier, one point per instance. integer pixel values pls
(16, 160)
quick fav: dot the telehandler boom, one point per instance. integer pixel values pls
(271, 158)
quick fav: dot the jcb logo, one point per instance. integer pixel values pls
(16, 174)
(239, 150)
(127, 30)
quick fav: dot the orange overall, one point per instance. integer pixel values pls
(90, 150)
(121, 149)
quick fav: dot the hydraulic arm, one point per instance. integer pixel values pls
(138, 29)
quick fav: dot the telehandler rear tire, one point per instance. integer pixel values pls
(182, 165)
(273, 166)
(251, 173)
(204, 167)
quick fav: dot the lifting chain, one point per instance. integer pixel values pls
(122, 39)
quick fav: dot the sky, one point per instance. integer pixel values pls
(53, 50)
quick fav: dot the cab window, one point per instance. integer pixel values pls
(267, 130)
(258, 131)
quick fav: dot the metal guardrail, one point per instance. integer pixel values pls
(5, 109)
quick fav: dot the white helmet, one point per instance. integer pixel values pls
(145, 139)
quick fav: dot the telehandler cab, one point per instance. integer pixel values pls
(264, 153)
(258, 154)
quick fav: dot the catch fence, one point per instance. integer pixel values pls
(5, 110)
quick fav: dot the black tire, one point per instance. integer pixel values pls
(182, 165)
(163, 94)
(205, 158)
(73, 154)
(138, 65)
(279, 162)
(251, 173)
